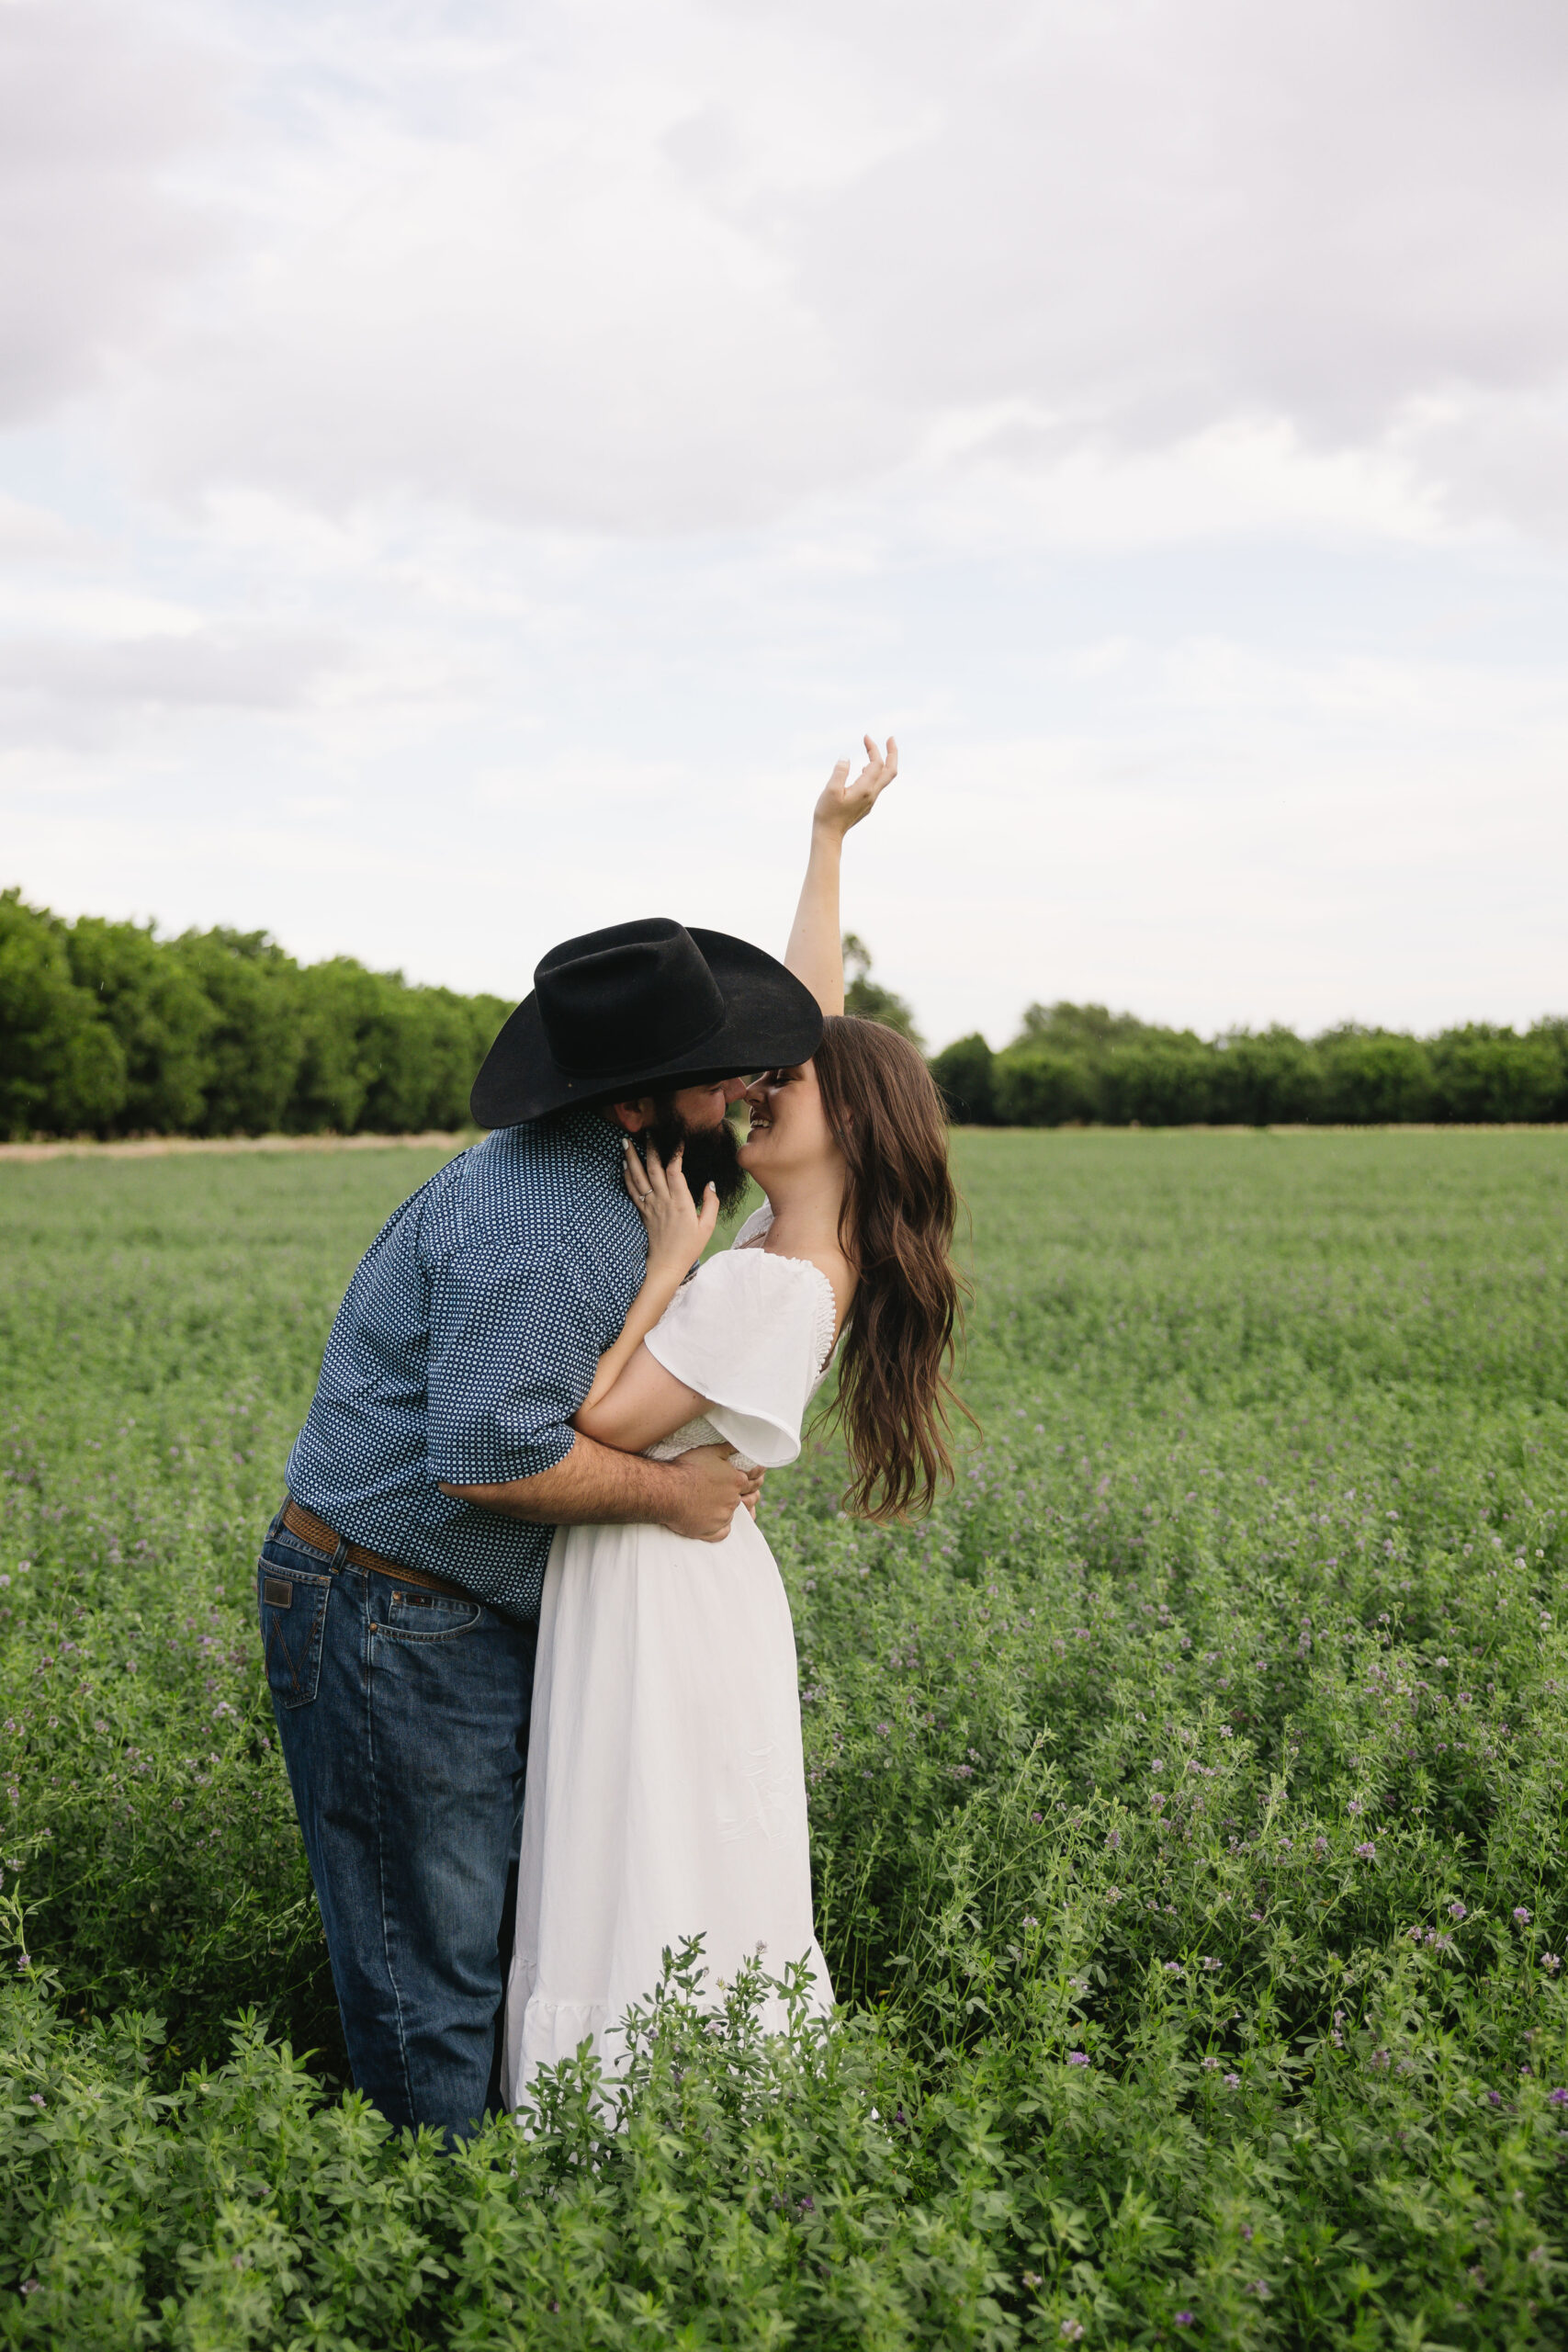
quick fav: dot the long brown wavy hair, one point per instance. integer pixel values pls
(895, 1229)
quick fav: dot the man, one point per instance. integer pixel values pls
(400, 1584)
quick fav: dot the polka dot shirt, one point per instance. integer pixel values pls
(469, 1338)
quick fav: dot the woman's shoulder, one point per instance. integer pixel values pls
(757, 1289)
(749, 1233)
(755, 1271)
(748, 1248)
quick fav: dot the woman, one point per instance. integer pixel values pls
(666, 1796)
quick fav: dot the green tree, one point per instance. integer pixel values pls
(1164, 1079)
(62, 1069)
(1480, 1073)
(348, 1032)
(1262, 1077)
(966, 1072)
(157, 1009)
(1087, 1030)
(255, 1044)
(1373, 1077)
(868, 1000)
(1036, 1086)
(424, 1044)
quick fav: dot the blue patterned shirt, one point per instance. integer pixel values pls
(469, 1338)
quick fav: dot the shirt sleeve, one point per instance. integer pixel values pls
(514, 1342)
(750, 1332)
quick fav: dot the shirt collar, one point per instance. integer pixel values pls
(593, 1134)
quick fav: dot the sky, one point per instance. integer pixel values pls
(467, 472)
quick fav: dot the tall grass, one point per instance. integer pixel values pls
(1187, 1804)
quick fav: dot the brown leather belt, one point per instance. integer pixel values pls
(311, 1529)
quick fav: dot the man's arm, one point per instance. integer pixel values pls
(697, 1495)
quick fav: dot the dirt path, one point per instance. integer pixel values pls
(153, 1147)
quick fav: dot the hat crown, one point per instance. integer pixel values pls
(636, 993)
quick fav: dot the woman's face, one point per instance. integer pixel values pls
(789, 1133)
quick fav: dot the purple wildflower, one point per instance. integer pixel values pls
(1233, 2082)
(1558, 2097)
(1521, 1916)
(1367, 1853)
(1457, 1911)
(1078, 2058)
(1185, 2319)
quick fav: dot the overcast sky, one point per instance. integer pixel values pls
(467, 470)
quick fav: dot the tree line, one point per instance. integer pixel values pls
(1074, 1063)
(1081, 1064)
(107, 1030)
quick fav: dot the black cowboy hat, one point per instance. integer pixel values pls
(637, 1007)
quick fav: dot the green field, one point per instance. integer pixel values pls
(1187, 1801)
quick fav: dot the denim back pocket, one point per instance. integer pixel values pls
(293, 1618)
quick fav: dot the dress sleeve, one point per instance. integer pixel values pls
(749, 1333)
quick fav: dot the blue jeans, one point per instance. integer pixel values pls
(403, 1718)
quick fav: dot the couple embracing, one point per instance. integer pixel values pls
(530, 1656)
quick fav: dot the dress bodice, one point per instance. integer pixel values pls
(753, 1333)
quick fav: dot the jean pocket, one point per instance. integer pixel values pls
(293, 1619)
(409, 1613)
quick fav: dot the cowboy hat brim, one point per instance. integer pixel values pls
(771, 1021)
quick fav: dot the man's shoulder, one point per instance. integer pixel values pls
(541, 1190)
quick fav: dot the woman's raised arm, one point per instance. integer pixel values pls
(814, 953)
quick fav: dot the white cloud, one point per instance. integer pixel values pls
(471, 470)
(96, 103)
(620, 268)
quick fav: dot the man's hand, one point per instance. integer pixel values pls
(713, 1488)
(597, 1485)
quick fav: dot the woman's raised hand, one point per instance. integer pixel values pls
(678, 1230)
(843, 804)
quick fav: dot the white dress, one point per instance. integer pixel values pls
(666, 1794)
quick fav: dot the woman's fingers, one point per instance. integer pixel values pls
(637, 1182)
(860, 797)
(656, 1181)
(707, 1216)
(675, 1175)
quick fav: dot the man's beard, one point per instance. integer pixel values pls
(712, 1154)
